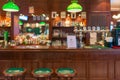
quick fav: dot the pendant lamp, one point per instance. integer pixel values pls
(10, 6)
(20, 22)
(74, 7)
(42, 23)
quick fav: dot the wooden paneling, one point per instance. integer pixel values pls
(98, 69)
(117, 69)
(40, 6)
(45, 6)
(100, 5)
(90, 64)
(99, 19)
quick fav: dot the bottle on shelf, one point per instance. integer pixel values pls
(5, 38)
(68, 21)
(57, 21)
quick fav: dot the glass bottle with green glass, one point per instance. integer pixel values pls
(5, 38)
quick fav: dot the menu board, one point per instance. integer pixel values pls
(71, 41)
(93, 38)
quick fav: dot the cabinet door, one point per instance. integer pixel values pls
(100, 70)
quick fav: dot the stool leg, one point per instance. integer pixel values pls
(71, 78)
(6, 78)
(23, 77)
(14, 78)
(42, 78)
(10, 78)
(65, 78)
(58, 78)
(48, 78)
(19, 78)
(37, 78)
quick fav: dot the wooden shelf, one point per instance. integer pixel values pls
(62, 27)
(60, 33)
(59, 38)
(5, 27)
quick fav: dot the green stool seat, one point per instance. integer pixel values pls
(42, 73)
(67, 73)
(14, 72)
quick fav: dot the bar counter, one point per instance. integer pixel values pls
(90, 64)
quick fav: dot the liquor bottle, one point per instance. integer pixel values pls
(5, 38)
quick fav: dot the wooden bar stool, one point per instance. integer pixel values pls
(65, 73)
(14, 74)
(42, 73)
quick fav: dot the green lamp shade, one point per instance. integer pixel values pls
(10, 7)
(42, 23)
(74, 7)
(20, 23)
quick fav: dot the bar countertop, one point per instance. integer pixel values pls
(59, 48)
(43, 50)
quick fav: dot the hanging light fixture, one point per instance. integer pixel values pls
(10, 6)
(42, 23)
(20, 22)
(74, 7)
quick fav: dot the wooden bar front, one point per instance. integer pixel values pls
(90, 64)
